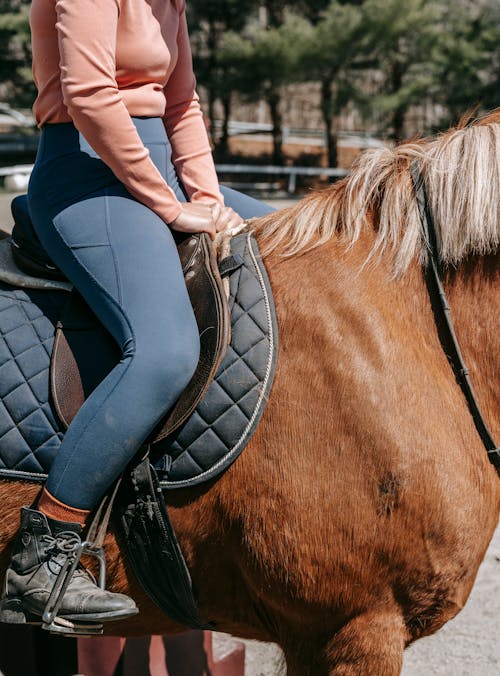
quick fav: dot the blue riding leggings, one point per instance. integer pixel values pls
(123, 260)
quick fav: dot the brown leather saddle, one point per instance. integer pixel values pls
(84, 352)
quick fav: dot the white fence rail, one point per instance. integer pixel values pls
(16, 177)
(291, 172)
(17, 169)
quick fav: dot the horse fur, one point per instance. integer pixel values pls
(357, 517)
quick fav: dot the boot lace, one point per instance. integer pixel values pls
(57, 549)
(64, 542)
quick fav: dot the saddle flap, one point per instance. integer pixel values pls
(82, 356)
(84, 352)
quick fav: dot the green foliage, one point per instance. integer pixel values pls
(466, 59)
(336, 42)
(210, 21)
(491, 80)
(15, 53)
(269, 57)
(230, 14)
(400, 37)
(215, 20)
(380, 56)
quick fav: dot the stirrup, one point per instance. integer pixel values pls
(92, 546)
(60, 625)
(72, 629)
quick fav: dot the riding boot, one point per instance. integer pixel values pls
(40, 553)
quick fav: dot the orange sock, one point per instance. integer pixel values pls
(54, 509)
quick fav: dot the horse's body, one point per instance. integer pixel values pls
(356, 519)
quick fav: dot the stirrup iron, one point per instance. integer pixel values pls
(92, 546)
(50, 619)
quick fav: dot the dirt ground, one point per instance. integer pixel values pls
(466, 646)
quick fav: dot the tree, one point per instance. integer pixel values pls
(333, 55)
(467, 57)
(265, 60)
(401, 36)
(15, 53)
(491, 82)
(210, 21)
(311, 10)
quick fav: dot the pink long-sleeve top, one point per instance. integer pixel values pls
(99, 62)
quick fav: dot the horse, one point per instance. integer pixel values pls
(355, 521)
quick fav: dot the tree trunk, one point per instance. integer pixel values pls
(211, 86)
(398, 116)
(274, 13)
(398, 123)
(327, 114)
(273, 101)
(211, 98)
(223, 145)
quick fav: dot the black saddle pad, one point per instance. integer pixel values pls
(209, 441)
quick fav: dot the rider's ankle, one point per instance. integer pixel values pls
(56, 510)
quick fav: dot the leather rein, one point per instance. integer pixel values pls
(446, 331)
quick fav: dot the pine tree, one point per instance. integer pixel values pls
(467, 58)
(16, 84)
(210, 21)
(401, 36)
(334, 56)
(266, 59)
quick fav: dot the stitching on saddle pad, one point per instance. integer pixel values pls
(21, 303)
(234, 404)
(10, 474)
(15, 424)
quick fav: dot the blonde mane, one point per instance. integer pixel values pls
(461, 170)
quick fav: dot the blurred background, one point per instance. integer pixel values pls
(305, 82)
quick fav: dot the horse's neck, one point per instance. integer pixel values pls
(473, 297)
(341, 303)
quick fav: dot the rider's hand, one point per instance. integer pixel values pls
(211, 218)
(225, 217)
(195, 217)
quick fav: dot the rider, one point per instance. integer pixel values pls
(118, 110)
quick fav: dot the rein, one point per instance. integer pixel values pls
(447, 334)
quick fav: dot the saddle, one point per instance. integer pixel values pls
(84, 352)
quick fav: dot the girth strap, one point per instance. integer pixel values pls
(447, 335)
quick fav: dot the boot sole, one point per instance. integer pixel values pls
(102, 617)
(12, 611)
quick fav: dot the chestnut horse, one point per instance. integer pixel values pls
(356, 519)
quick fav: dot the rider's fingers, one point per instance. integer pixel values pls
(195, 218)
(227, 219)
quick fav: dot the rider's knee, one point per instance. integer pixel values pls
(168, 368)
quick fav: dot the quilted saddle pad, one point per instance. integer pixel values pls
(212, 438)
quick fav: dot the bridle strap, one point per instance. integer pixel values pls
(446, 330)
